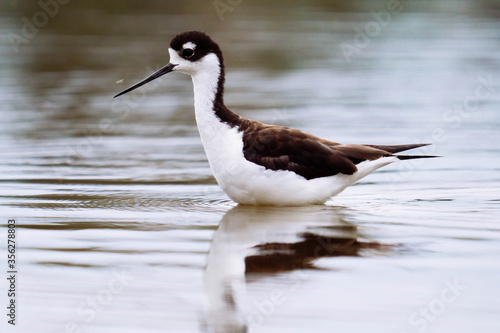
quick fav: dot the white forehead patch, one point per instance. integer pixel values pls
(189, 45)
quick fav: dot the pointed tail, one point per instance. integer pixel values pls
(398, 148)
(410, 157)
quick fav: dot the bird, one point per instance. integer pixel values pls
(260, 164)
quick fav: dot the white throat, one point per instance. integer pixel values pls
(205, 80)
(205, 75)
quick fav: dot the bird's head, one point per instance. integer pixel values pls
(191, 52)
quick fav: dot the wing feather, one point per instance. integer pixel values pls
(282, 148)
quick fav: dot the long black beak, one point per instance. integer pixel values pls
(162, 71)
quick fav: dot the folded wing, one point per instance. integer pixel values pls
(282, 148)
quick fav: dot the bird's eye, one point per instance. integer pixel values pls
(187, 53)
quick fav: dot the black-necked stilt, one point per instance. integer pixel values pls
(261, 164)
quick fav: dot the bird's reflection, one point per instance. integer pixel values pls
(253, 242)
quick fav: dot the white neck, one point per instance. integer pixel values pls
(205, 81)
(223, 144)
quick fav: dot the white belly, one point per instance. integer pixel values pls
(251, 184)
